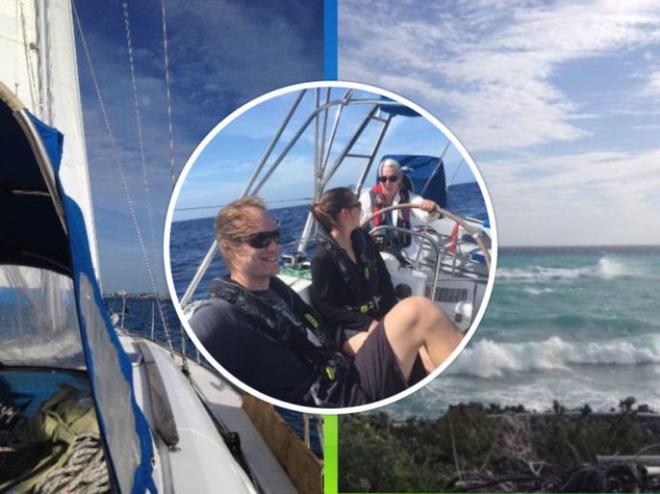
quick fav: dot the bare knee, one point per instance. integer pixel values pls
(416, 316)
(424, 313)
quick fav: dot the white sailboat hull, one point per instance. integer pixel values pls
(201, 461)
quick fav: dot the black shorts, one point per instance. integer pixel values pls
(376, 374)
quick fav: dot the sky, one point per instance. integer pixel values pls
(222, 53)
(557, 102)
(221, 171)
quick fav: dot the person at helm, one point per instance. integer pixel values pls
(260, 331)
(352, 287)
(392, 189)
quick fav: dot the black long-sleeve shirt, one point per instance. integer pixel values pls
(338, 297)
(239, 346)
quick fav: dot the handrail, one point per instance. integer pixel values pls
(473, 232)
(253, 187)
(423, 235)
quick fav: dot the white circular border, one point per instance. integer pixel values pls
(215, 131)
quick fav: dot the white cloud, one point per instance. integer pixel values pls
(653, 86)
(582, 198)
(510, 79)
(491, 69)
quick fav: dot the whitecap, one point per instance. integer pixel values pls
(607, 267)
(537, 291)
(490, 359)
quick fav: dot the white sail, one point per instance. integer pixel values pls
(38, 63)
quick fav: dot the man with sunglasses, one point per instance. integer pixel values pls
(391, 190)
(241, 324)
(266, 336)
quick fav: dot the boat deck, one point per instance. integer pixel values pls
(201, 452)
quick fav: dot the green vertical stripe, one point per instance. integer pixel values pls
(330, 454)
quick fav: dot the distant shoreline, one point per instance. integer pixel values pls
(144, 295)
(622, 247)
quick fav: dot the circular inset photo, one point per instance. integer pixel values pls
(330, 247)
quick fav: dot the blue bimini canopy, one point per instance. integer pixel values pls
(43, 228)
(426, 175)
(399, 109)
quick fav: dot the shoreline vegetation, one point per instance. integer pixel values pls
(489, 448)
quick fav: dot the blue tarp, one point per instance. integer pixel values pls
(122, 423)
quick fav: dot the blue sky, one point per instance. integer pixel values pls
(221, 171)
(558, 103)
(222, 54)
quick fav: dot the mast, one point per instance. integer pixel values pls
(45, 96)
(38, 61)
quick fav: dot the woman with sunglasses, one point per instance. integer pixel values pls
(352, 288)
(391, 190)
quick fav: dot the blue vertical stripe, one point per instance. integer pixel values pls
(330, 38)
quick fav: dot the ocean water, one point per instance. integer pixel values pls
(191, 239)
(580, 325)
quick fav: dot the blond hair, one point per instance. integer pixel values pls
(232, 223)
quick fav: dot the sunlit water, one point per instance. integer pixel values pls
(576, 325)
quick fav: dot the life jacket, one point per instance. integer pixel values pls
(294, 324)
(403, 218)
(365, 288)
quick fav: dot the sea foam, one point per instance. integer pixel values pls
(489, 359)
(537, 291)
(606, 268)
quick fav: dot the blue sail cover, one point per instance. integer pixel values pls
(427, 174)
(121, 421)
(402, 110)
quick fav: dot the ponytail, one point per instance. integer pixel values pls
(323, 217)
(326, 210)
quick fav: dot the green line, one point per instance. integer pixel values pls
(330, 454)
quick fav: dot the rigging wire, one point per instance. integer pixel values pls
(122, 175)
(456, 172)
(138, 118)
(166, 59)
(140, 134)
(218, 206)
(170, 129)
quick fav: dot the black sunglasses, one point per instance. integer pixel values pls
(391, 178)
(263, 239)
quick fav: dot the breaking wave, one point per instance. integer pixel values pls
(606, 268)
(491, 359)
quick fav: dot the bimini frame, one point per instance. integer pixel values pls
(324, 140)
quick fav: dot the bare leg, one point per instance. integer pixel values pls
(426, 360)
(416, 323)
(354, 343)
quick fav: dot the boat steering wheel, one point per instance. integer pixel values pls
(473, 232)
